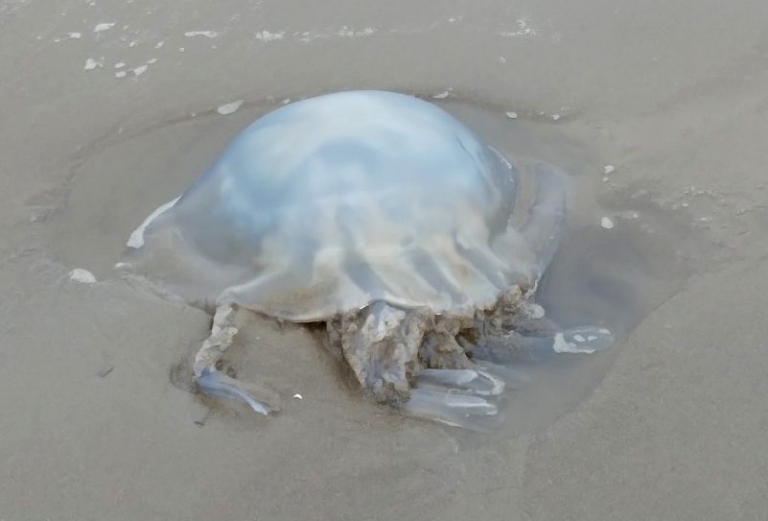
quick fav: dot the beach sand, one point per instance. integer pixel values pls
(97, 417)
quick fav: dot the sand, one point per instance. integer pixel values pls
(97, 420)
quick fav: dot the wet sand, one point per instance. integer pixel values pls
(96, 417)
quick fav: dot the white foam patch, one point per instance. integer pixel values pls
(91, 64)
(266, 36)
(229, 108)
(561, 345)
(524, 30)
(136, 240)
(343, 32)
(206, 34)
(81, 275)
(346, 32)
(606, 223)
(103, 27)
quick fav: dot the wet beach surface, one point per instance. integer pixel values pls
(96, 417)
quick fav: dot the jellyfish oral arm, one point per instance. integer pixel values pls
(208, 378)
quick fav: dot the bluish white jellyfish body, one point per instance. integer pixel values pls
(388, 220)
